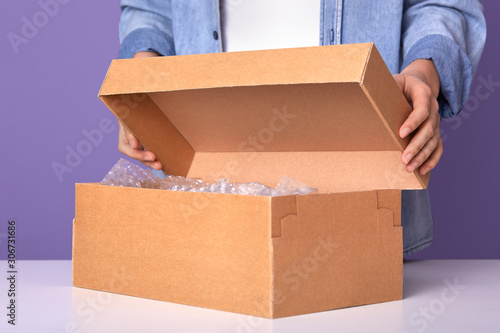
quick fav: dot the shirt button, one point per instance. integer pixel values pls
(216, 35)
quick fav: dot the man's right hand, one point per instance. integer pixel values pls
(128, 144)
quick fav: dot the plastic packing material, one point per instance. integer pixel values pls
(127, 174)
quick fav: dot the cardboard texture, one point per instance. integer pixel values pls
(327, 116)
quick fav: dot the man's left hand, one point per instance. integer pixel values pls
(420, 84)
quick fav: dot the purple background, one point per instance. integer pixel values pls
(49, 97)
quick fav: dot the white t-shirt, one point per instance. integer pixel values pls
(269, 24)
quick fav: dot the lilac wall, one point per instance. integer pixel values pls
(49, 84)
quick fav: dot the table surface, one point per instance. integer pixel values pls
(439, 296)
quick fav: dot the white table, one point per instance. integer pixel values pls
(439, 296)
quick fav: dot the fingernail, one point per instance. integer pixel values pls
(408, 157)
(412, 167)
(405, 132)
(424, 171)
(149, 158)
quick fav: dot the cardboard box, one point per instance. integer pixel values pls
(327, 116)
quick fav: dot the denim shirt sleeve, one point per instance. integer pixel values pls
(452, 33)
(145, 25)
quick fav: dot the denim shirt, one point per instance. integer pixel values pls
(450, 32)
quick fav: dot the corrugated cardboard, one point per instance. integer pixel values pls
(327, 116)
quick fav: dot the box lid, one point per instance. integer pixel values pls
(328, 116)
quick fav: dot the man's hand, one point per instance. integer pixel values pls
(128, 144)
(420, 84)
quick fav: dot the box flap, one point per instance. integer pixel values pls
(327, 115)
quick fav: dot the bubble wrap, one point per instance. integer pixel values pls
(125, 173)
